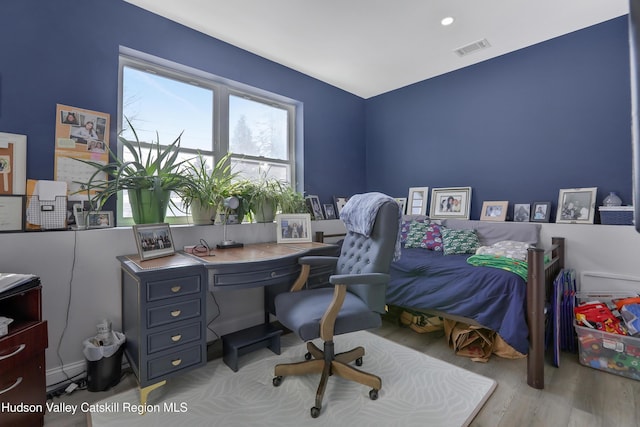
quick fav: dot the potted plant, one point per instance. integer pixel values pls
(149, 180)
(207, 188)
(264, 197)
(291, 201)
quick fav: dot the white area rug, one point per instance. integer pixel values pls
(417, 390)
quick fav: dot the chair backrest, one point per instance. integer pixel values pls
(373, 254)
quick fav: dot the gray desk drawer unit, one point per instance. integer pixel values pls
(163, 317)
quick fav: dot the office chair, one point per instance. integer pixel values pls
(353, 303)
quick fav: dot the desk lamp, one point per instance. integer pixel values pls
(229, 203)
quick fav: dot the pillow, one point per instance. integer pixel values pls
(404, 228)
(459, 241)
(506, 248)
(424, 235)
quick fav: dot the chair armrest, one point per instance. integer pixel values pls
(359, 279)
(318, 260)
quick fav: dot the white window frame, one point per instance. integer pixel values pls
(222, 88)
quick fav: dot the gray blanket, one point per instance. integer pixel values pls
(359, 215)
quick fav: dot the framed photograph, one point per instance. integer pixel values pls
(13, 164)
(454, 202)
(329, 211)
(153, 240)
(12, 213)
(494, 211)
(293, 228)
(541, 211)
(313, 203)
(402, 201)
(521, 212)
(100, 219)
(417, 200)
(339, 202)
(577, 205)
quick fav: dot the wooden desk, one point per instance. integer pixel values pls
(164, 300)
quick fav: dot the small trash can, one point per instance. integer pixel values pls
(104, 362)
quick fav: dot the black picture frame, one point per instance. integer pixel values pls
(540, 211)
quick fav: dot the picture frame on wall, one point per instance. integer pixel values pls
(402, 201)
(13, 164)
(417, 201)
(494, 211)
(153, 240)
(313, 204)
(540, 211)
(521, 212)
(339, 201)
(293, 228)
(451, 202)
(577, 205)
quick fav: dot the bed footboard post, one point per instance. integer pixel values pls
(535, 317)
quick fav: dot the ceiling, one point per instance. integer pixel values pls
(369, 47)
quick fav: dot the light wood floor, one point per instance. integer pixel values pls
(574, 395)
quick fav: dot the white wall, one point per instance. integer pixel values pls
(81, 280)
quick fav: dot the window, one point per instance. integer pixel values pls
(163, 100)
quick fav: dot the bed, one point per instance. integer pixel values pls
(446, 285)
(500, 300)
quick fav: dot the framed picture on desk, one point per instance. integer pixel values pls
(293, 228)
(153, 240)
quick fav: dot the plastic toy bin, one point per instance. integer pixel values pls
(613, 353)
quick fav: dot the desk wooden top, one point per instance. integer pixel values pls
(259, 252)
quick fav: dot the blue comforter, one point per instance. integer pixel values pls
(495, 298)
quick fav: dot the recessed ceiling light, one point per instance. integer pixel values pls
(447, 21)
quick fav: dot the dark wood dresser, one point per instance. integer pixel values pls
(23, 385)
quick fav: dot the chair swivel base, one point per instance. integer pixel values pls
(328, 363)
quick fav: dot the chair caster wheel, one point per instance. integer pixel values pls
(307, 356)
(277, 381)
(359, 361)
(315, 412)
(373, 394)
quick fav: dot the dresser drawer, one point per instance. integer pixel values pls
(162, 289)
(25, 385)
(174, 337)
(174, 362)
(175, 312)
(24, 344)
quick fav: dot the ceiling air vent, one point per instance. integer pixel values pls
(473, 47)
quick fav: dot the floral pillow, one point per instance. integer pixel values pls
(424, 235)
(404, 228)
(459, 241)
(506, 248)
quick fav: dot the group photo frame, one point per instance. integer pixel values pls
(450, 202)
(293, 228)
(577, 205)
(153, 240)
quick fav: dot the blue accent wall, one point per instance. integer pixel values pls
(518, 127)
(66, 52)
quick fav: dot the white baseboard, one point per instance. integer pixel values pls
(61, 374)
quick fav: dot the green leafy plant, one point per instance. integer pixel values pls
(208, 187)
(151, 177)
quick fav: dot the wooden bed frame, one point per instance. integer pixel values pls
(540, 277)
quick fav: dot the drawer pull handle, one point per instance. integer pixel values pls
(176, 289)
(14, 385)
(18, 350)
(176, 362)
(274, 274)
(176, 338)
(176, 313)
